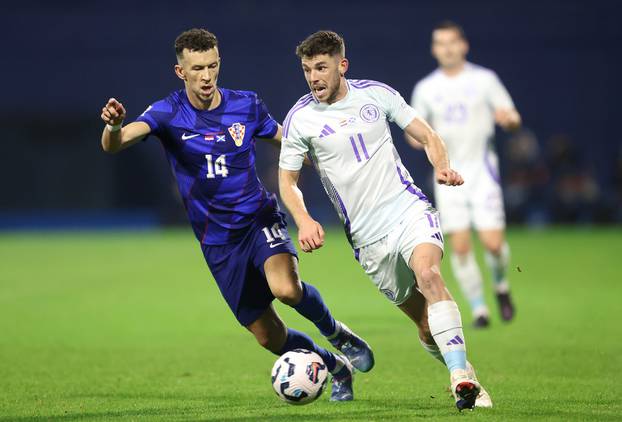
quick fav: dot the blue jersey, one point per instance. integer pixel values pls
(212, 154)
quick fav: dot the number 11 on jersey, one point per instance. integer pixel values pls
(218, 167)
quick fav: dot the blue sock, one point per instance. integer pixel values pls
(297, 340)
(312, 307)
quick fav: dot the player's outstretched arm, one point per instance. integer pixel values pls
(115, 136)
(435, 150)
(310, 232)
(508, 119)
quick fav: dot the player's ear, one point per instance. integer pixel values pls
(466, 47)
(179, 71)
(343, 66)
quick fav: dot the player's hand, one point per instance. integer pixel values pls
(508, 119)
(113, 112)
(310, 235)
(448, 177)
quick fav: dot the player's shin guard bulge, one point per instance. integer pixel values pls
(446, 328)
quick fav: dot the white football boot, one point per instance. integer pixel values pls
(464, 388)
(483, 398)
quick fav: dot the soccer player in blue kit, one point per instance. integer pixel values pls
(209, 135)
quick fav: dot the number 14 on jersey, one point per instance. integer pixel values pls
(216, 167)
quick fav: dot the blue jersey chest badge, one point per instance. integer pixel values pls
(237, 131)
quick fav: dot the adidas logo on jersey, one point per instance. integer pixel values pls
(326, 130)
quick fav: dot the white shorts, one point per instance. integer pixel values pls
(386, 260)
(477, 204)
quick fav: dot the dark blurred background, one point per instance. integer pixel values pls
(560, 60)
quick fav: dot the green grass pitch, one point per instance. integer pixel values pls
(130, 326)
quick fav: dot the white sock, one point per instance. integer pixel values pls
(469, 278)
(446, 328)
(498, 265)
(433, 350)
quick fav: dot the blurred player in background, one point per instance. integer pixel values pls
(209, 135)
(462, 102)
(393, 229)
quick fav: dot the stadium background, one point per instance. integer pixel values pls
(126, 324)
(558, 59)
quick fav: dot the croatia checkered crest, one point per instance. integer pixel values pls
(299, 376)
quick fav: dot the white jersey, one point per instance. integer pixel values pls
(350, 143)
(461, 109)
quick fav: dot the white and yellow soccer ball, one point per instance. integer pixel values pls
(299, 376)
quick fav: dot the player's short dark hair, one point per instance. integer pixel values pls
(195, 39)
(447, 24)
(321, 42)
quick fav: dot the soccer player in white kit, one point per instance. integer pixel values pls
(462, 102)
(393, 229)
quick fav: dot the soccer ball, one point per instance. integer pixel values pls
(299, 376)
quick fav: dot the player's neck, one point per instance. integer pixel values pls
(341, 92)
(205, 105)
(453, 70)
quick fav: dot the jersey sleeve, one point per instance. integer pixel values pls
(293, 148)
(498, 96)
(266, 126)
(417, 101)
(154, 116)
(394, 105)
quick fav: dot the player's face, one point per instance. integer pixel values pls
(324, 74)
(199, 70)
(449, 48)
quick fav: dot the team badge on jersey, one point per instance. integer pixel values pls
(237, 131)
(369, 113)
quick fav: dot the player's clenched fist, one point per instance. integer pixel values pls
(310, 235)
(113, 112)
(448, 177)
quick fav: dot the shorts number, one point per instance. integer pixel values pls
(273, 233)
(216, 168)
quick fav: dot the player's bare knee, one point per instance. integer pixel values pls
(289, 293)
(429, 279)
(461, 249)
(494, 247)
(264, 340)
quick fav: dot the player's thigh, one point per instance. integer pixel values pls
(243, 287)
(281, 272)
(386, 269)
(269, 330)
(274, 255)
(492, 239)
(452, 203)
(487, 206)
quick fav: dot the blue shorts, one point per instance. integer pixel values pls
(238, 267)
